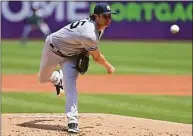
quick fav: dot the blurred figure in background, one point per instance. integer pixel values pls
(35, 22)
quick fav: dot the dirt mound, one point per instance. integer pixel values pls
(90, 125)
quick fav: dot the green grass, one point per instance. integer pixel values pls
(127, 57)
(170, 108)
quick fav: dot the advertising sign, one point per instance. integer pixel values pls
(135, 20)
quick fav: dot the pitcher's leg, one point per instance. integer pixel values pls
(57, 80)
(46, 69)
(56, 77)
(70, 75)
(48, 63)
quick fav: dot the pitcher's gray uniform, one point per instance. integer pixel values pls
(70, 40)
(62, 47)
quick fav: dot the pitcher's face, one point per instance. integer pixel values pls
(104, 19)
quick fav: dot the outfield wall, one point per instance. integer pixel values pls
(136, 20)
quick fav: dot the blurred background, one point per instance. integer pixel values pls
(131, 35)
(138, 42)
(136, 20)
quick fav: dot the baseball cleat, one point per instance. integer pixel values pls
(73, 128)
(59, 89)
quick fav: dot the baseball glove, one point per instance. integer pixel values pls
(82, 63)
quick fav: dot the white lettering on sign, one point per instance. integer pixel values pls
(47, 9)
(59, 10)
(72, 8)
(15, 17)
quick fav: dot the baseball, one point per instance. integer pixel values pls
(174, 29)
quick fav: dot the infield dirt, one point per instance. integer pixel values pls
(98, 124)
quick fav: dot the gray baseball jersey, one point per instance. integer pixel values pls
(76, 37)
(72, 39)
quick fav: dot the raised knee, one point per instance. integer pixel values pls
(42, 80)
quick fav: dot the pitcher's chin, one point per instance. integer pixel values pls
(107, 24)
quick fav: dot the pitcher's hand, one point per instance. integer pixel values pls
(110, 69)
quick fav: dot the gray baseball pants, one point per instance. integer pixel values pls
(49, 62)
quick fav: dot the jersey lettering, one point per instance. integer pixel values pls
(76, 24)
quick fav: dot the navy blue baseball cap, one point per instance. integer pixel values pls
(103, 8)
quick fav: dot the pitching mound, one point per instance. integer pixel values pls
(90, 125)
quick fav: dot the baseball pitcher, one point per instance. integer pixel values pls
(70, 47)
